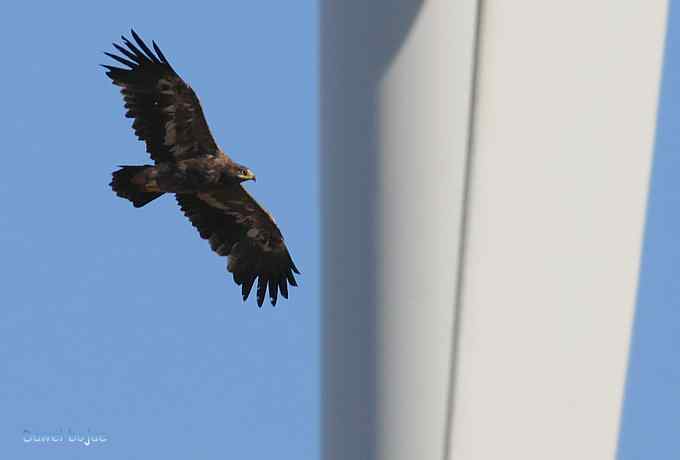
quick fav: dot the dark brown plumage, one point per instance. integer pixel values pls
(206, 182)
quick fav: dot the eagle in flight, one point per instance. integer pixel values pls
(187, 162)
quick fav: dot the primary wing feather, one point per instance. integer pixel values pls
(238, 227)
(167, 112)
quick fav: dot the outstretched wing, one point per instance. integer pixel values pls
(167, 113)
(237, 226)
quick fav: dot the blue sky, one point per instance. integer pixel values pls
(123, 322)
(651, 419)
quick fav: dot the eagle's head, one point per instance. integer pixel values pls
(242, 173)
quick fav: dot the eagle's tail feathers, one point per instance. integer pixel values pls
(135, 183)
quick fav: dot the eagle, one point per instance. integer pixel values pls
(189, 164)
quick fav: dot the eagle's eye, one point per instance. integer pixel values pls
(244, 172)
